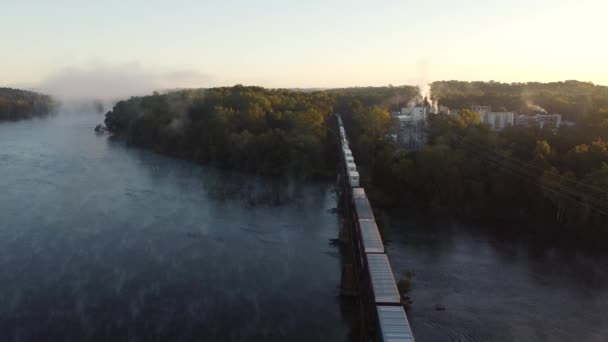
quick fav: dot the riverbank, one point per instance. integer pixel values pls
(271, 132)
(16, 104)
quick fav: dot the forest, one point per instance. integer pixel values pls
(521, 174)
(538, 177)
(252, 129)
(526, 174)
(573, 99)
(273, 132)
(18, 104)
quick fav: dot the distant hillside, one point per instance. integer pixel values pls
(392, 97)
(573, 99)
(18, 104)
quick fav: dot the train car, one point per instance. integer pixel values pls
(366, 228)
(369, 237)
(343, 141)
(381, 295)
(347, 152)
(363, 210)
(353, 179)
(359, 192)
(383, 286)
(351, 167)
(393, 325)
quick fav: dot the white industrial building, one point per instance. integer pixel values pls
(549, 120)
(496, 120)
(411, 127)
(552, 121)
(481, 109)
(417, 113)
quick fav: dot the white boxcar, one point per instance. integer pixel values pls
(359, 192)
(353, 178)
(347, 152)
(382, 280)
(363, 209)
(351, 167)
(393, 324)
(371, 240)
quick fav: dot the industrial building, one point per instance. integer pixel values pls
(411, 123)
(496, 120)
(552, 121)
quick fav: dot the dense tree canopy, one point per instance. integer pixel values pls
(466, 168)
(20, 104)
(573, 99)
(522, 173)
(391, 97)
(270, 132)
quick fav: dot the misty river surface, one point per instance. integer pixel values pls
(99, 241)
(495, 287)
(103, 242)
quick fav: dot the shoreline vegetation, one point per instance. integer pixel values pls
(465, 169)
(16, 104)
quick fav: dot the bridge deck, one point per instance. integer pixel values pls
(381, 304)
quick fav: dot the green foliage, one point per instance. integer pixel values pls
(404, 285)
(542, 150)
(465, 169)
(269, 132)
(574, 100)
(391, 98)
(20, 104)
(461, 170)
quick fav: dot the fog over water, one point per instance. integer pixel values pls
(496, 287)
(99, 241)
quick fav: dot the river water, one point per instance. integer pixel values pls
(103, 242)
(496, 287)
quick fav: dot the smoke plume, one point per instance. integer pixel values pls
(535, 108)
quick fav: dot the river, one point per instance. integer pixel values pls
(100, 241)
(496, 287)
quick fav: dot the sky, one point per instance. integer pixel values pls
(81, 47)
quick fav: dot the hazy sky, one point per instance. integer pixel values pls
(312, 43)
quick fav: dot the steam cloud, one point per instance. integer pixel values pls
(535, 108)
(112, 82)
(423, 82)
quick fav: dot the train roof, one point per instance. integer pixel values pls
(359, 192)
(363, 208)
(383, 281)
(393, 323)
(370, 236)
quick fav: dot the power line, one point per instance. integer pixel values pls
(557, 188)
(576, 182)
(577, 192)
